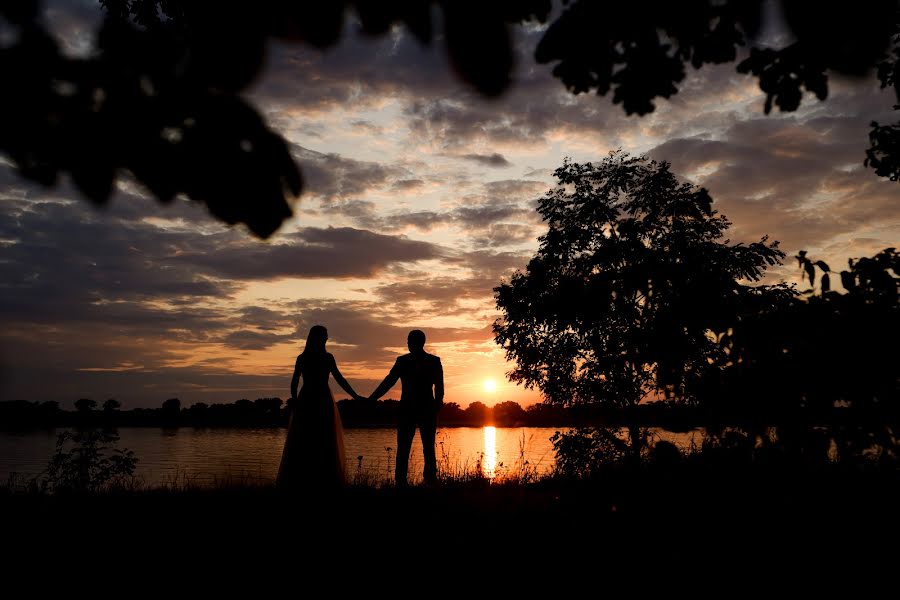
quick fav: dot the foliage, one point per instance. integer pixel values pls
(87, 461)
(581, 452)
(628, 282)
(85, 405)
(819, 350)
(883, 154)
(183, 67)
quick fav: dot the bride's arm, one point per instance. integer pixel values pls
(295, 380)
(341, 381)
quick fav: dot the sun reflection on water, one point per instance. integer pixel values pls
(489, 464)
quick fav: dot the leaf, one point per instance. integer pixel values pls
(811, 271)
(847, 281)
(822, 265)
(826, 284)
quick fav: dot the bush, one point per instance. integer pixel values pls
(87, 461)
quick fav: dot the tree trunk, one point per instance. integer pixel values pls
(634, 434)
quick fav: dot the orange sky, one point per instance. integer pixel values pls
(419, 199)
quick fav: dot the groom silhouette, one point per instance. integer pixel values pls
(418, 373)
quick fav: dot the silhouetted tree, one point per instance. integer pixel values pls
(451, 412)
(821, 357)
(49, 410)
(884, 152)
(478, 413)
(820, 347)
(508, 413)
(171, 410)
(182, 66)
(632, 277)
(85, 405)
(267, 407)
(111, 405)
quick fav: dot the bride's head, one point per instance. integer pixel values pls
(315, 341)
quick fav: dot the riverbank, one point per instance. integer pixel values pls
(748, 519)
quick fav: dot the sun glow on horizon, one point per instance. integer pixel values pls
(489, 385)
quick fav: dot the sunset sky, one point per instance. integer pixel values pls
(420, 198)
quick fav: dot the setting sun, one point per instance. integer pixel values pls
(490, 386)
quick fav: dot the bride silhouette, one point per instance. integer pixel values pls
(313, 455)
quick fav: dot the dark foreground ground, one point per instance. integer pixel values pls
(735, 527)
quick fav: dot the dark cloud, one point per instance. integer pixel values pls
(246, 339)
(498, 225)
(502, 235)
(367, 126)
(109, 303)
(79, 366)
(484, 224)
(521, 190)
(335, 252)
(361, 211)
(59, 258)
(363, 73)
(458, 123)
(332, 176)
(367, 331)
(489, 160)
(424, 220)
(263, 318)
(408, 185)
(495, 265)
(503, 212)
(445, 294)
(798, 178)
(531, 172)
(486, 214)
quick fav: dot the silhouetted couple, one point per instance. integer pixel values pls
(313, 455)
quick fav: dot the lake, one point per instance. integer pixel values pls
(210, 456)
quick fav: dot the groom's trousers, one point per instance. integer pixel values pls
(408, 420)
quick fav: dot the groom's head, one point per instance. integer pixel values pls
(415, 341)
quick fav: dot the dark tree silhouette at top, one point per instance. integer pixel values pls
(632, 276)
(160, 97)
(884, 152)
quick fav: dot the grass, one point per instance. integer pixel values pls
(728, 506)
(699, 518)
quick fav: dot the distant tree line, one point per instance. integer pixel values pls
(265, 412)
(274, 412)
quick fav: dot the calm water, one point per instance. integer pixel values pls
(208, 456)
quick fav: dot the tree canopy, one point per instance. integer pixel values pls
(629, 283)
(810, 352)
(161, 96)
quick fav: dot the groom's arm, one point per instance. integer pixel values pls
(439, 384)
(388, 382)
